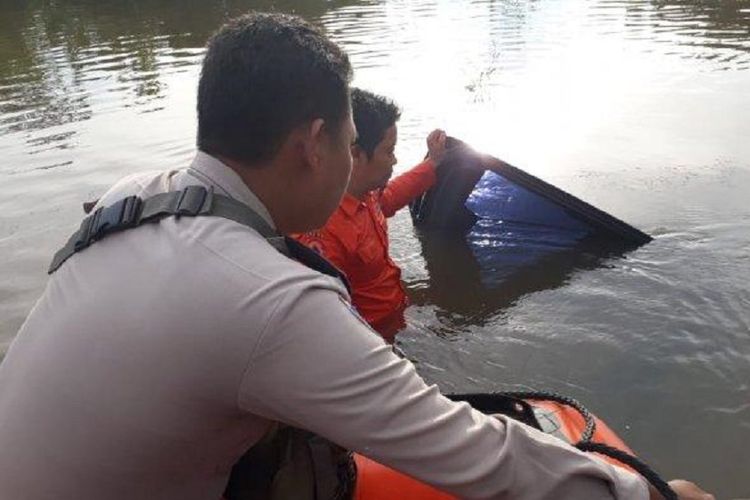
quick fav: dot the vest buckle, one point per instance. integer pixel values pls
(194, 200)
(116, 217)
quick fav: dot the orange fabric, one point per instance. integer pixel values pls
(355, 239)
(407, 186)
(573, 424)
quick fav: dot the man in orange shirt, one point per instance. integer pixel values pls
(355, 238)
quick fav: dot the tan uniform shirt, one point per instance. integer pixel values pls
(157, 356)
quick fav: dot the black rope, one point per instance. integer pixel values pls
(588, 432)
(637, 464)
(585, 443)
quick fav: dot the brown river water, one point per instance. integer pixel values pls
(639, 107)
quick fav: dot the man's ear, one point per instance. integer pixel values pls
(314, 142)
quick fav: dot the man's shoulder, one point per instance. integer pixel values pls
(341, 227)
(237, 253)
(244, 251)
(142, 184)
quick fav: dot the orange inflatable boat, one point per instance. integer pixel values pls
(557, 415)
(554, 414)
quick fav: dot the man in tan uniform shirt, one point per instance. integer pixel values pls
(158, 356)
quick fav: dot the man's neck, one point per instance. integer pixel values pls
(266, 186)
(355, 192)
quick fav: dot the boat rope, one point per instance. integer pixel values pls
(585, 443)
(588, 432)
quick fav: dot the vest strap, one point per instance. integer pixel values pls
(193, 201)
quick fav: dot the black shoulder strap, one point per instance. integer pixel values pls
(312, 259)
(192, 201)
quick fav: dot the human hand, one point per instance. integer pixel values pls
(685, 491)
(436, 145)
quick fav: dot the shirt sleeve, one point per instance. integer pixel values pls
(407, 186)
(318, 366)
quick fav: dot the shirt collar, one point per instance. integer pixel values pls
(350, 204)
(213, 172)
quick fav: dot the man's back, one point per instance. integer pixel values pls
(142, 356)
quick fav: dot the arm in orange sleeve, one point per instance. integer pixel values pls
(407, 186)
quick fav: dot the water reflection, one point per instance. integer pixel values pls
(56, 57)
(472, 286)
(718, 31)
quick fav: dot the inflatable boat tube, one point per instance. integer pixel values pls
(378, 482)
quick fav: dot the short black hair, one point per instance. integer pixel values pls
(373, 115)
(262, 76)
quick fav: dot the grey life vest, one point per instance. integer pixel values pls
(288, 463)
